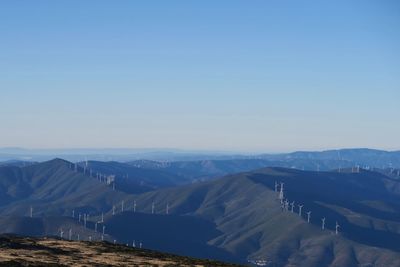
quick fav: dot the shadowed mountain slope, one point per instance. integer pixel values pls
(245, 209)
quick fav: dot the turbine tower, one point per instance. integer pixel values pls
(292, 204)
(336, 228)
(31, 212)
(102, 235)
(134, 206)
(167, 209)
(102, 217)
(308, 216)
(281, 193)
(61, 233)
(152, 208)
(276, 186)
(73, 213)
(300, 207)
(122, 206)
(113, 210)
(95, 227)
(70, 234)
(323, 223)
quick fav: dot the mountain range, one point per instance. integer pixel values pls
(236, 218)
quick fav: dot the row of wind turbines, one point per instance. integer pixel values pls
(99, 226)
(285, 207)
(103, 178)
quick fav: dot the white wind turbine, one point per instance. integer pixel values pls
(281, 195)
(336, 228)
(300, 207)
(308, 216)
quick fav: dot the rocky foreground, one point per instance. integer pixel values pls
(27, 251)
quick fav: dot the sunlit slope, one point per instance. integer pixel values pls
(52, 188)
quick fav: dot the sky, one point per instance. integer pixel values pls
(254, 76)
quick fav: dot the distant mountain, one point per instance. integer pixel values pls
(308, 160)
(201, 170)
(111, 154)
(360, 156)
(16, 163)
(132, 179)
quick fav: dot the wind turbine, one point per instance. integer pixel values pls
(336, 228)
(70, 234)
(300, 207)
(292, 204)
(95, 227)
(276, 186)
(308, 216)
(90, 238)
(102, 217)
(134, 206)
(323, 223)
(133, 244)
(113, 210)
(122, 206)
(78, 237)
(79, 217)
(61, 233)
(31, 211)
(73, 213)
(287, 205)
(167, 209)
(152, 208)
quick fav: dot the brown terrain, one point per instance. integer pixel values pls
(26, 251)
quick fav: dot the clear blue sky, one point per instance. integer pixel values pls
(227, 75)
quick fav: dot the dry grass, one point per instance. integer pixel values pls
(21, 251)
